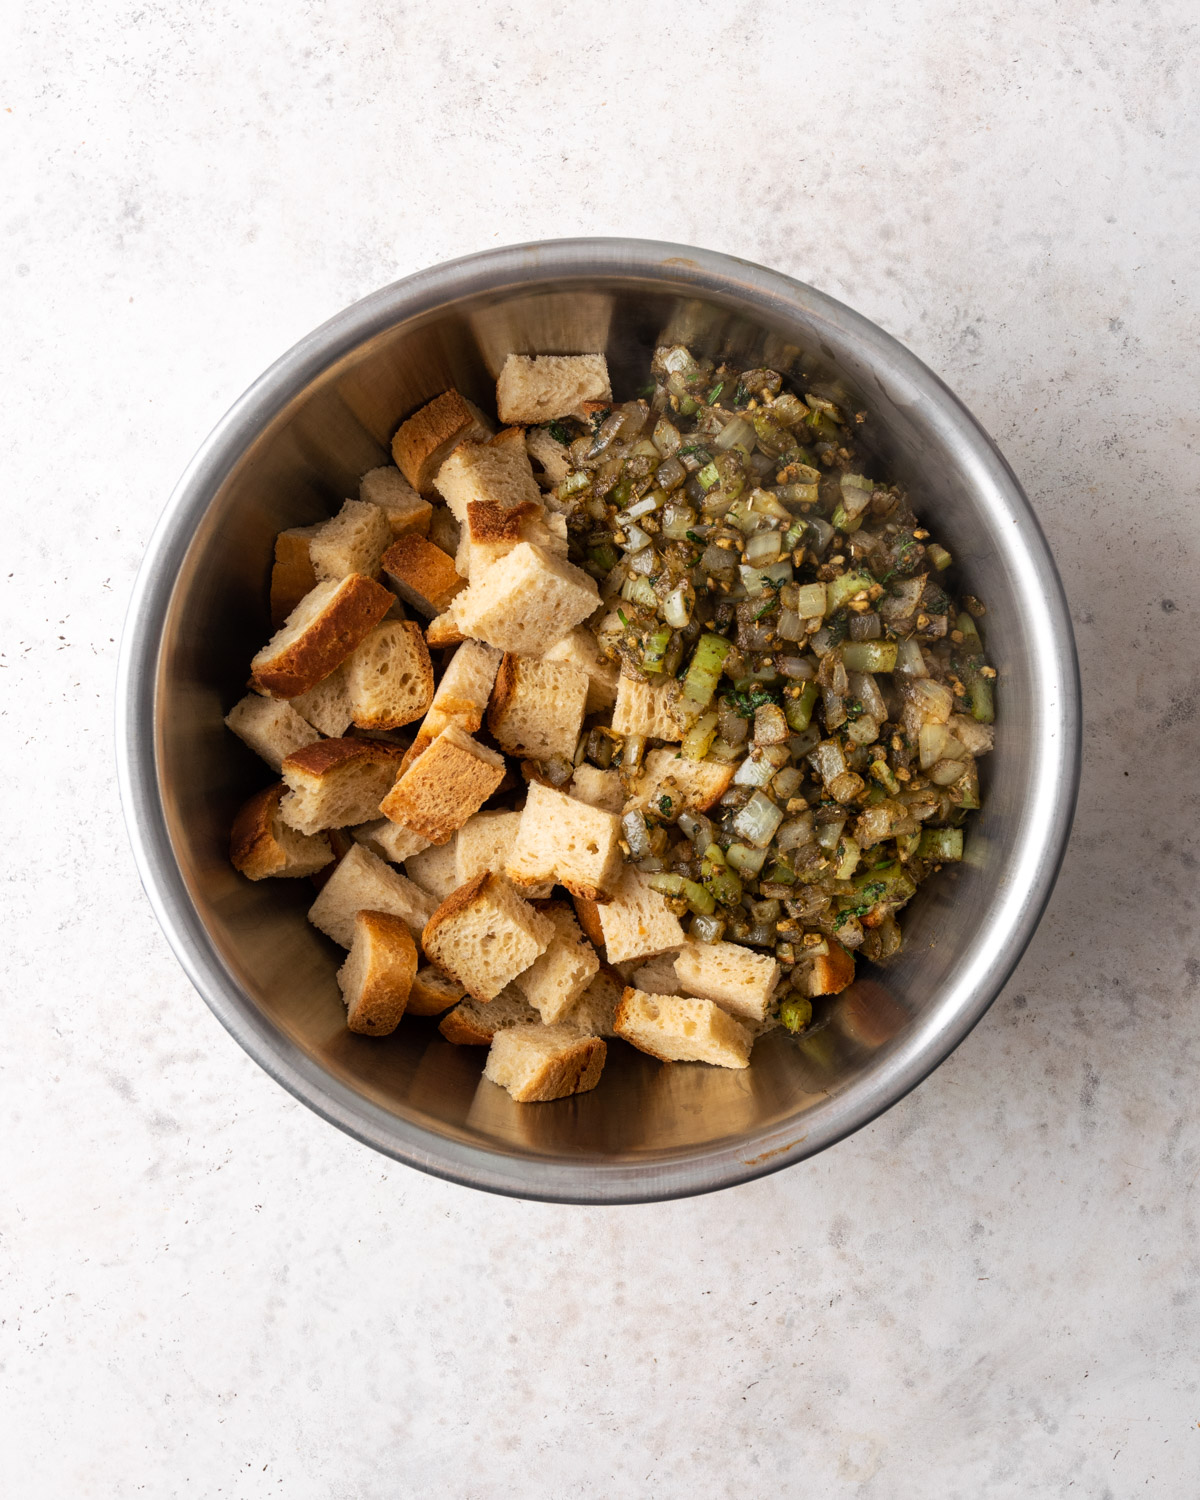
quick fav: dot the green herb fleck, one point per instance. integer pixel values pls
(664, 804)
(622, 618)
(559, 433)
(692, 537)
(745, 703)
(598, 418)
(741, 396)
(715, 392)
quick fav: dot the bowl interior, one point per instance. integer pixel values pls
(293, 451)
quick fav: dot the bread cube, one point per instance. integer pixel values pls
(389, 677)
(526, 601)
(353, 541)
(319, 634)
(435, 869)
(568, 842)
(736, 978)
(327, 706)
(647, 708)
(670, 784)
(538, 1063)
(425, 441)
(549, 454)
(497, 471)
(434, 992)
(595, 1012)
(675, 1028)
(598, 788)
(484, 842)
(336, 783)
(463, 693)
(443, 630)
(377, 976)
(423, 574)
(490, 533)
(484, 935)
(540, 387)
(362, 882)
(637, 922)
(473, 1023)
(262, 844)
(657, 975)
(405, 510)
(271, 727)
(440, 790)
(832, 972)
(579, 650)
(554, 982)
(536, 707)
(389, 840)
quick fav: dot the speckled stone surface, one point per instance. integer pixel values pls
(992, 1291)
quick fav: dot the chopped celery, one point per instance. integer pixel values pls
(748, 861)
(840, 590)
(798, 711)
(656, 650)
(795, 1012)
(941, 844)
(708, 476)
(869, 656)
(699, 738)
(704, 671)
(847, 855)
(938, 556)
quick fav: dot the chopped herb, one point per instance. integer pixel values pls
(692, 537)
(741, 395)
(771, 604)
(664, 804)
(559, 433)
(745, 703)
(715, 392)
(701, 453)
(648, 389)
(621, 617)
(598, 418)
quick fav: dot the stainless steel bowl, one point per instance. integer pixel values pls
(291, 450)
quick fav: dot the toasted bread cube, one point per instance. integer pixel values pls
(490, 533)
(484, 935)
(832, 972)
(434, 992)
(463, 693)
(262, 844)
(526, 601)
(579, 650)
(536, 707)
(426, 440)
(540, 387)
(739, 980)
(588, 913)
(353, 541)
(443, 631)
(440, 790)
(293, 574)
(595, 1012)
(389, 840)
(670, 784)
(497, 471)
(405, 510)
(336, 783)
(545, 450)
(537, 1063)
(484, 842)
(319, 634)
(362, 882)
(675, 1028)
(647, 708)
(327, 706)
(435, 869)
(657, 975)
(473, 1023)
(271, 727)
(637, 922)
(389, 678)
(598, 788)
(554, 982)
(377, 976)
(423, 574)
(568, 842)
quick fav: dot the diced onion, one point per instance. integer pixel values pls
(737, 434)
(745, 860)
(795, 832)
(757, 821)
(764, 547)
(677, 606)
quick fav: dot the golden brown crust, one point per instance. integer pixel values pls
(347, 620)
(324, 756)
(433, 992)
(442, 788)
(422, 441)
(443, 632)
(458, 1028)
(588, 911)
(575, 1073)
(424, 575)
(292, 575)
(491, 524)
(417, 748)
(455, 903)
(503, 691)
(384, 996)
(252, 846)
(832, 972)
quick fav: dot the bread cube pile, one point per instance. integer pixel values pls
(431, 656)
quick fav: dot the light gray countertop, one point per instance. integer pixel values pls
(993, 1290)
